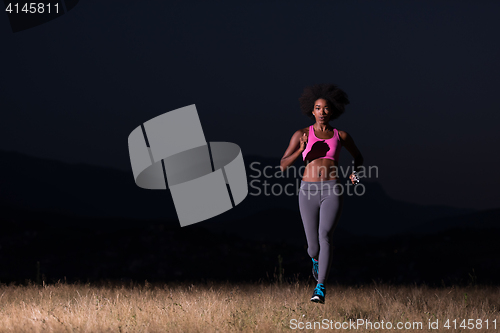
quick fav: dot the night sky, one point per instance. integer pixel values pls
(423, 78)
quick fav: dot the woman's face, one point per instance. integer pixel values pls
(321, 111)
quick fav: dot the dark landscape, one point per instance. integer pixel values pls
(82, 223)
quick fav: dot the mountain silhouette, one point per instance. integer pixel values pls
(31, 184)
(86, 222)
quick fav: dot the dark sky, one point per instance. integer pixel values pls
(422, 76)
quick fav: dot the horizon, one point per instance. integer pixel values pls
(250, 176)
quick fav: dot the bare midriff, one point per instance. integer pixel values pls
(320, 169)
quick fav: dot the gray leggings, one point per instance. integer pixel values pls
(320, 205)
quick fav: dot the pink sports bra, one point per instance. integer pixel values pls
(322, 148)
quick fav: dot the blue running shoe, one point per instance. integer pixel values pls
(315, 269)
(319, 294)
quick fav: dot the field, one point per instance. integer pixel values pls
(230, 307)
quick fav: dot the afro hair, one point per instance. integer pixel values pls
(335, 97)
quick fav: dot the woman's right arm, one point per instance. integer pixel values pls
(297, 145)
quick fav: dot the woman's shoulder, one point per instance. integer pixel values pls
(343, 134)
(302, 131)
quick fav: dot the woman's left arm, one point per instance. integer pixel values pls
(349, 144)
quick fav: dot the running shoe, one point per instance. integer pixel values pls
(319, 294)
(315, 269)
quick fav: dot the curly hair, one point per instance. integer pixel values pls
(336, 99)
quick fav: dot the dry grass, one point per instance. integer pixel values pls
(229, 307)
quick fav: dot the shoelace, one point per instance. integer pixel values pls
(315, 264)
(319, 291)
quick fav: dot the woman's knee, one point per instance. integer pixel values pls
(313, 251)
(325, 235)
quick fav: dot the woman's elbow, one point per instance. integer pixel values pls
(359, 158)
(283, 166)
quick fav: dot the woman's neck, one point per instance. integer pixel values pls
(322, 127)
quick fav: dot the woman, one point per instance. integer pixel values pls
(321, 194)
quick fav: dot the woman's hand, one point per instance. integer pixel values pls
(299, 139)
(354, 178)
(303, 142)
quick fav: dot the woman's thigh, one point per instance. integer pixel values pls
(329, 213)
(309, 206)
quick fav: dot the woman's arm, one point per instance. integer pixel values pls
(349, 144)
(297, 145)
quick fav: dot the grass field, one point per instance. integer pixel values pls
(229, 307)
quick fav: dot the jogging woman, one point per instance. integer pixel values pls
(321, 194)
